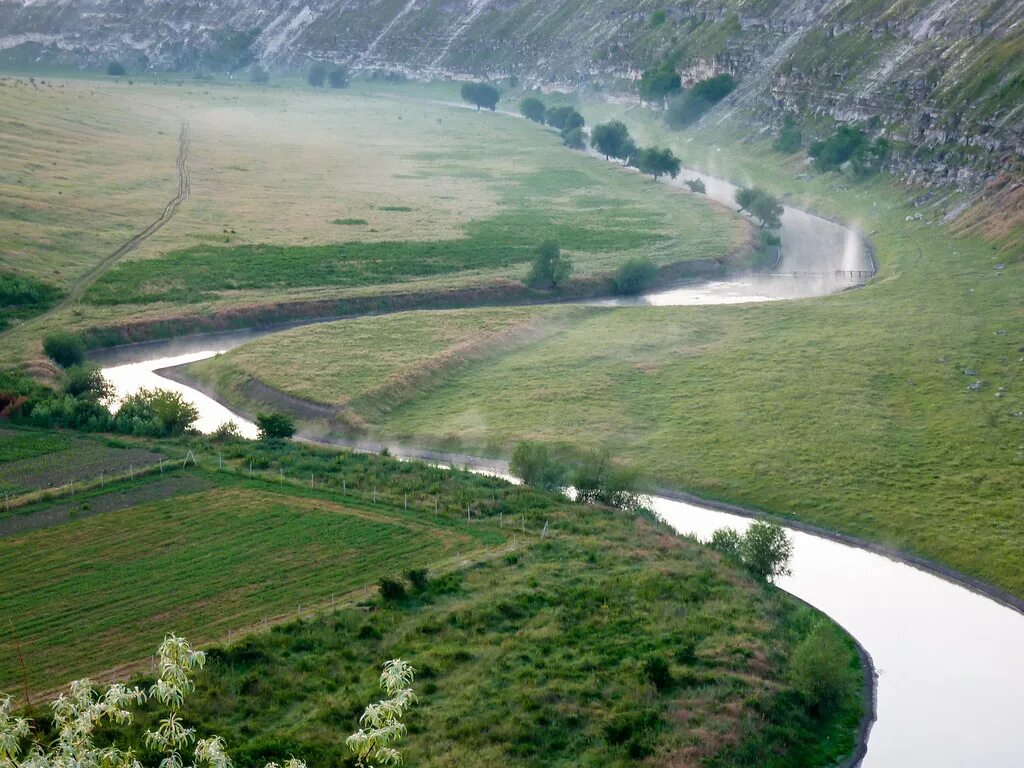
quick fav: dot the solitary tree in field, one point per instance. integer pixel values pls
(534, 465)
(317, 75)
(338, 77)
(481, 95)
(551, 268)
(532, 108)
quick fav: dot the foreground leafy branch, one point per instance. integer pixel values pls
(382, 722)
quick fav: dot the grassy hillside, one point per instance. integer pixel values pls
(534, 632)
(891, 413)
(300, 196)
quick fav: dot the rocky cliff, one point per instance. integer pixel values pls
(943, 77)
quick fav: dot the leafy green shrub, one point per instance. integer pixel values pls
(534, 465)
(728, 541)
(657, 161)
(691, 106)
(226, 432)
(697, 186)
(832, 153)
(418, 578)
(86, 380)
(790, 138)
(550, 267)
(598, 481)
(635, 276)
(156, 413)
(532, 108)
(657, 670)
(658, 17)
(116, 69)
(391, 589)
(659, 83)
(767, 549)
(64, 348)
(275, 426)
(818, 672)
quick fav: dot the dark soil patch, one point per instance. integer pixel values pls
(76, 509)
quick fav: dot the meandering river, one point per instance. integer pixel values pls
(950, 661)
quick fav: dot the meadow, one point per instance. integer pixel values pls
(301, 196)
(544, 632)
(893, 413)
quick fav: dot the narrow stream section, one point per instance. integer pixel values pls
(950, 661)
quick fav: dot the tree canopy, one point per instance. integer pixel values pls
(317, 75)
(534, 465)
(481, 95)
(692, 105)
(659, 83)
(532, 108)
(612, 139)
(551, 268)
(338, 77)
(275, 426)
(564, 118)
(658, 162)
(574, 138)
(116, 69)
(761, 205)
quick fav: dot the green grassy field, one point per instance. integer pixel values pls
(532, 638)
(852, 411)
(433, 198)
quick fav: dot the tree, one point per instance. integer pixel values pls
(692, 105)
(258, 74)
(612, 139)
(381, 724)
(659, 83)
(728, 542)
(790, 138)
(573, 138)
(761, 205)
(275, 426)
(338, 77)
(767, 549)
(532, 108)
(78, 714)
(480, 95)
(534, 465)
(86, 380)
(155, 412)
(832, 153)
(116, 69)
(696, 186)
(817, 671)
(317, 75)
(551, 268)
(598, 481)
(658, 162)
(871, 158)
(634, 276)
(64, 348)
(564, 118)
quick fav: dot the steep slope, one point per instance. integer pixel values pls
(946, 75)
